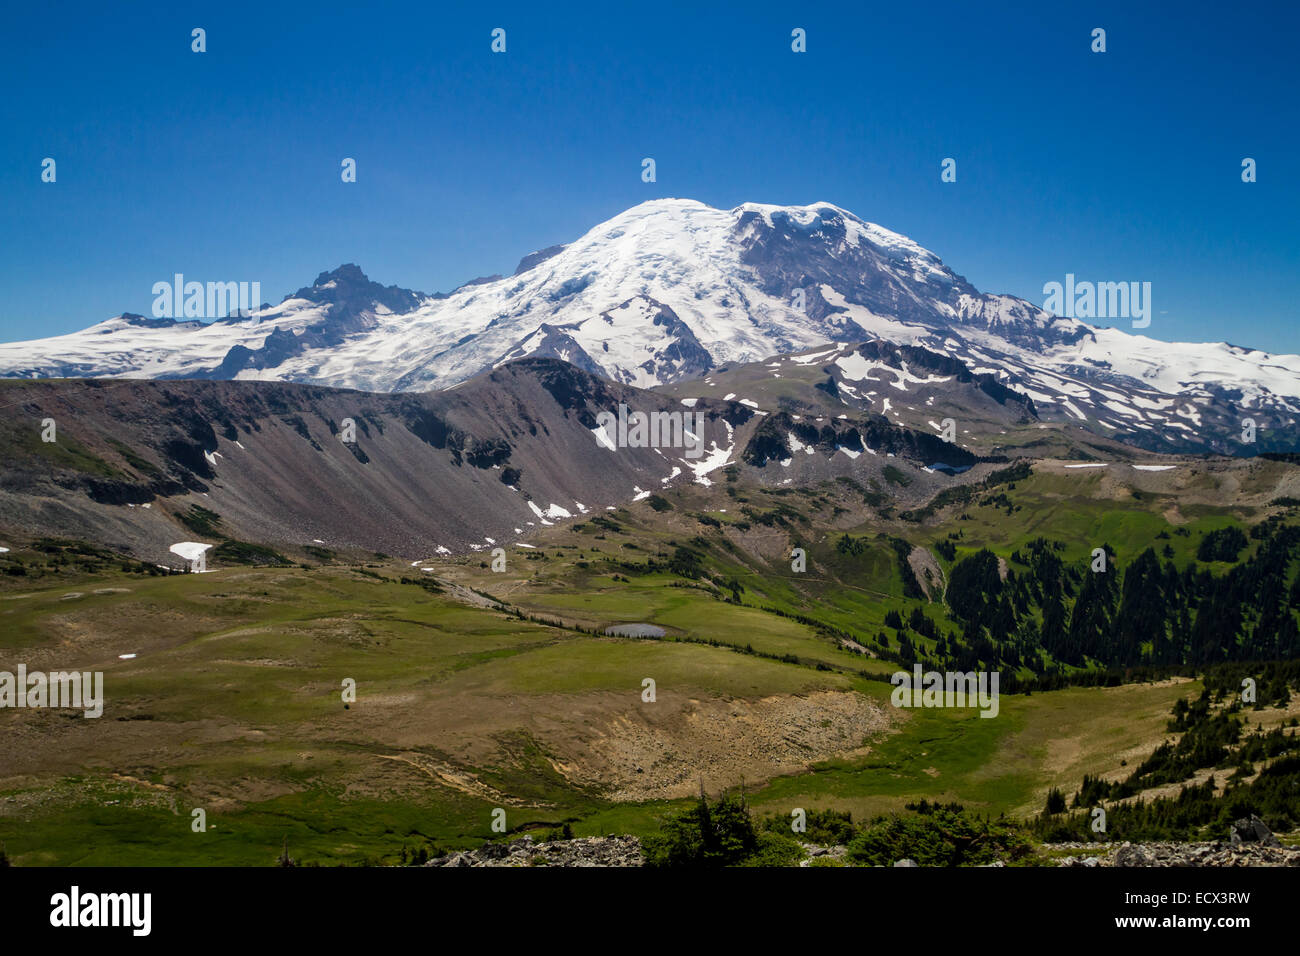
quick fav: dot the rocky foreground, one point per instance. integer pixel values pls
(1249, 843)
(1220, 853)
(584, 851)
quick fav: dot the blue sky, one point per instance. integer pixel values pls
(225, 165)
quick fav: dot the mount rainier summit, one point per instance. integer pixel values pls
(672, 290)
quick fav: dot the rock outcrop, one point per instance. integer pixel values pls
(1249, 843)
(1251, 829)
(584, 851)
(1188, 854)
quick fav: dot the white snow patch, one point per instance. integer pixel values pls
(190, 551)
(552, 511)
(604, 438)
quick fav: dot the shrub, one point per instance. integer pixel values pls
(706, 835)
(942, 837)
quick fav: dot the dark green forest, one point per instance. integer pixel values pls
(1147, 611)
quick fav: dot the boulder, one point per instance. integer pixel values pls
(1252, 829)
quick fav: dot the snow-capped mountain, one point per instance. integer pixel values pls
(672, 289)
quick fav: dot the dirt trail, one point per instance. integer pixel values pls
(449, 776)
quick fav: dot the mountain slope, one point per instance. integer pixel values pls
(468, 469)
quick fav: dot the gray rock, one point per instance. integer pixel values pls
(1251, 829)
(1130, 855)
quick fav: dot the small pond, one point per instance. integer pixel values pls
(635, 630)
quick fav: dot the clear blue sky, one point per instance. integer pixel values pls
(225, 165)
